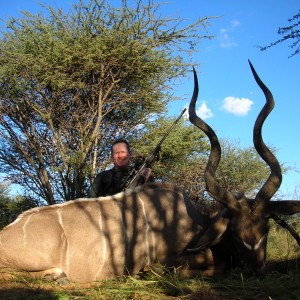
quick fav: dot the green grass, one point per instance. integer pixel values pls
(281, 281)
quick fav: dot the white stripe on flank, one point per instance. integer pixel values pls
(148, 228)
(60, 217)
(64, 257)
(126, 241)
(24, 229)
(103, 245)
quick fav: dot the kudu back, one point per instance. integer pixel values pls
(93, 239)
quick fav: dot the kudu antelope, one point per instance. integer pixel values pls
(93, 239)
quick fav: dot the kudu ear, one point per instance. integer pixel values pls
(213, 234)
(288, 207)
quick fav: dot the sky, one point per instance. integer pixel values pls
(229, 99)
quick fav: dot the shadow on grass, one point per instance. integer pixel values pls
(39, 292)
(281, 281)
(27, 288)
(26, 294)
(284, 266)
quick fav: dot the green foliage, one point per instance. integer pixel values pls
(281, 245)
(241, 170)
(11, 207)
(184, 155)
(182, 144)
(72, 82)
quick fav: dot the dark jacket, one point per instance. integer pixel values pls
(108, 182)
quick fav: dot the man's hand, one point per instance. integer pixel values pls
(145, 173)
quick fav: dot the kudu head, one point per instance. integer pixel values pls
(245, 221)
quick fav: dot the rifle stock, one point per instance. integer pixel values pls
(134, 178)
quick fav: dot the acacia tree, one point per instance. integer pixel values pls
(72, 82)
(291, 32)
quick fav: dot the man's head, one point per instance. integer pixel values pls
(120, 153)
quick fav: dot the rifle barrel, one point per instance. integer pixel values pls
(147, 163)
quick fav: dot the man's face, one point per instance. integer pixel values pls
(120, 155)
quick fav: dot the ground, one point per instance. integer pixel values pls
(281, 281)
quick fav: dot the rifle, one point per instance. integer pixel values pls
(134, 178)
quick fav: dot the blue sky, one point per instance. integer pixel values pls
(229, 98)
